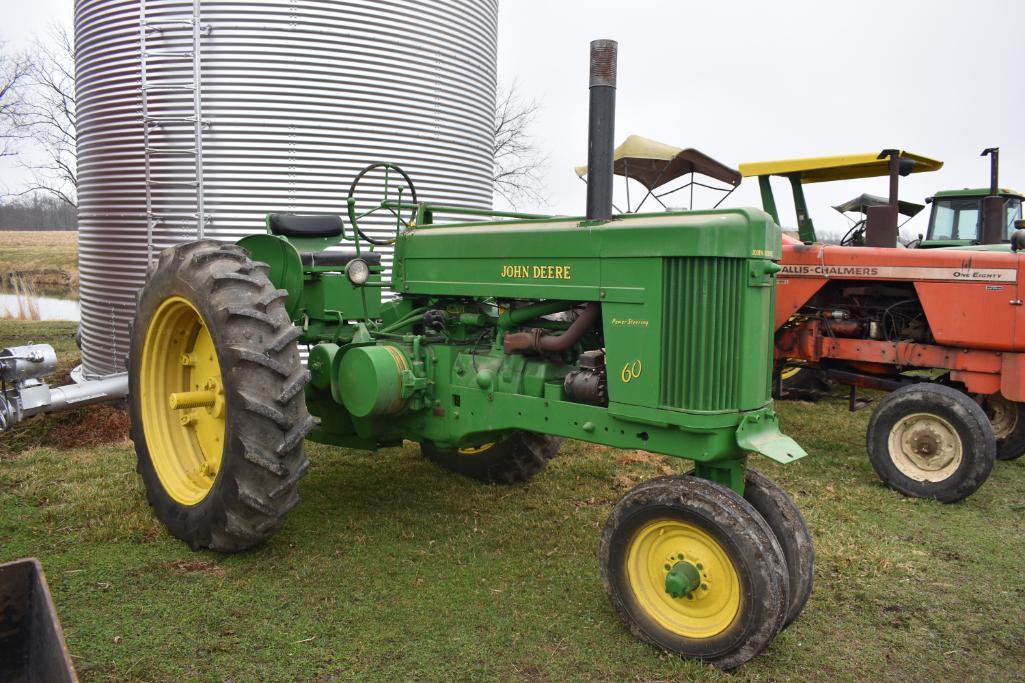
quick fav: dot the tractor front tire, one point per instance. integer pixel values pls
(512, 460)
(216, 397)
(694, 569)
(931, 441)
(786, 521)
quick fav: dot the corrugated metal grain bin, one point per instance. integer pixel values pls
(203, 115)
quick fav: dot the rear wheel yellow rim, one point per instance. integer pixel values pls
(476, 450)
(181, 399)
(790, 371)
(706, 611)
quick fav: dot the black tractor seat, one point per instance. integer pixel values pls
(337, 258)
(296, 225)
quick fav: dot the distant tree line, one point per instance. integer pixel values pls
(36, 212)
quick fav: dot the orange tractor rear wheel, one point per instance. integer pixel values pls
(1008, 421)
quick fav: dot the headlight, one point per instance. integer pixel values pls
(358, 271)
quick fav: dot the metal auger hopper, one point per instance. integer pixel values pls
(31, 641)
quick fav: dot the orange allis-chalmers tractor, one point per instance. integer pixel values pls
(943, 330)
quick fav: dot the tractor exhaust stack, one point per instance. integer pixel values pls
(994, 168)
(601, 129)
(992, 229)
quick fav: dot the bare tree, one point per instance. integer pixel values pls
(519, 165)
(14, 70)
(50, 117)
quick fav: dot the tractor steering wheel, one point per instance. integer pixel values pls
(384, 203)
(854, 236)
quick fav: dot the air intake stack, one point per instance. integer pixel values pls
(881, 228)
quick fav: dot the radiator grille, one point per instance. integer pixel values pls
(701, 332)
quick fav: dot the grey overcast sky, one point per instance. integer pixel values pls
(751, 80)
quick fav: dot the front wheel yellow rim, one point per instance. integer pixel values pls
(706, 611)
(181, 399)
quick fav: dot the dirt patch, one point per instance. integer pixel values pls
(102, 424)
(639, 458)
(197, 567)
(80, 428)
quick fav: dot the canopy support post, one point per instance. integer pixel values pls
(805, 227)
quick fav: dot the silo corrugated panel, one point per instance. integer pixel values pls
(295, 98)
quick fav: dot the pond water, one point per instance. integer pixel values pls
(49, 308)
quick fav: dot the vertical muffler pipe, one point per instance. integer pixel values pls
(993, 230)
(601, 129)
(994, 169)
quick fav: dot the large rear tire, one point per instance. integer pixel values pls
(514, 459)
(216, 397)
(799, 383)
(1008, 421)
(931, 441)
(692, 568)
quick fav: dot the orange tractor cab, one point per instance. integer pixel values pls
(943, 330)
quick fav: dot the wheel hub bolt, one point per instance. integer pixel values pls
(180, 400)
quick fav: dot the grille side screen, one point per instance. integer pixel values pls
(701, 332)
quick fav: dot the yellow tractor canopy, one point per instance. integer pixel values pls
(845, 167)
(654, 164)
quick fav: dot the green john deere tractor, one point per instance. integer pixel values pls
(975, 218)
(504, 337)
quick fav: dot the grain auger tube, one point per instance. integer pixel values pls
(662, 342)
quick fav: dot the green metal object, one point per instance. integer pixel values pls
(683, 579)
(686, 303)
(805, 227)
(768, 200)
(286, 270)
(968, 203)
(374, 380)
(976, 192)
(759, 432)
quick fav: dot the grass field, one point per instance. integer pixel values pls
(47, 261)
(392, 569)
